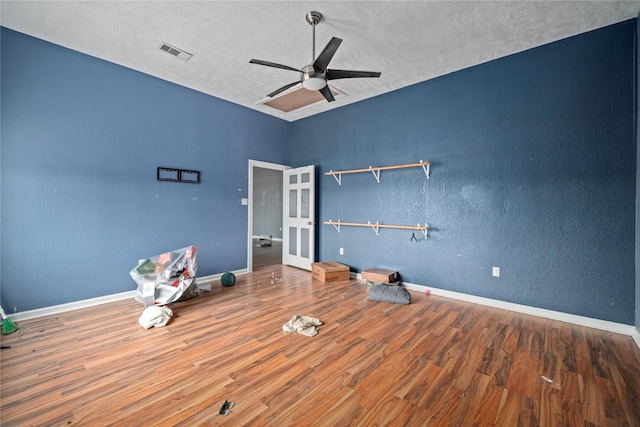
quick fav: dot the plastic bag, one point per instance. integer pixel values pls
(168, 277)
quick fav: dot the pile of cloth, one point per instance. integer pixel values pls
(304, 325)
(155, 315)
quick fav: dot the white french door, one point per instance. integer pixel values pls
(299, 218)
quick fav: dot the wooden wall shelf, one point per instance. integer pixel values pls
(376, 170)
(377, 226)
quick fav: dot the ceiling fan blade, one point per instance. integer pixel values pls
(326, 92)
(283, 88)
(349, 74)
(273, 64)
(327, 53)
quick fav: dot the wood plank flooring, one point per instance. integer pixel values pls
(266, 256)
(434, 362)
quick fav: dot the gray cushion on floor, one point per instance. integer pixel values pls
(395, 293)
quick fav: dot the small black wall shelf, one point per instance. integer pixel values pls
(178, 175)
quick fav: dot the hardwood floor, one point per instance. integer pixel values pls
(266, 256)
(434, 362)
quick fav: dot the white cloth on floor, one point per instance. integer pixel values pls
(303, 324)
(155, 315)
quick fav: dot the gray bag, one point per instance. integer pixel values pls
(394, 293)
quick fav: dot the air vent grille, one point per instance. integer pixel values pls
(179, 53)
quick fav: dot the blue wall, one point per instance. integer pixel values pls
(533, 170)
(81, 140)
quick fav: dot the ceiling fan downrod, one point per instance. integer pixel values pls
(313, 18)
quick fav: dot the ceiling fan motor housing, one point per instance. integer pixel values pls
(312, 79)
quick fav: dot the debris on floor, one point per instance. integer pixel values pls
(304, 325)
(225, 408)
(275, 278)
(155, 315)
(264, 241)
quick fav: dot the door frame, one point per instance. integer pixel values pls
(263, 165)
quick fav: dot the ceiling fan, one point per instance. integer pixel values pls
(316, 75)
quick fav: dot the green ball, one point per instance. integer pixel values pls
(228, 279)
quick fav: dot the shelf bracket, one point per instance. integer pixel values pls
(376, 175)
(336, 226)
(425, 168)
(425, 231)
(376, 227)
(338, 177)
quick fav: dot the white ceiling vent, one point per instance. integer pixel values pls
(185, 56)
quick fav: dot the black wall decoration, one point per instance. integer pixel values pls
(178, 175)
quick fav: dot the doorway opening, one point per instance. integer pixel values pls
(265, 216)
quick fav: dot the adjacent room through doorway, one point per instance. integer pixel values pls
(265, 214)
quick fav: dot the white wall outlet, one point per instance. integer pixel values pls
(496, 271)
(245, 201)
(341, 251)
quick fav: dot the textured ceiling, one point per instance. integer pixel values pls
(408, 42)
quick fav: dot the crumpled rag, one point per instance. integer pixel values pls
(303, 324)
(155, 315)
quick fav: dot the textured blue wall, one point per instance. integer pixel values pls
(533, 170)
(81, 140)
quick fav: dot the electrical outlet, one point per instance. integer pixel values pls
(341, 251)
(496, 271)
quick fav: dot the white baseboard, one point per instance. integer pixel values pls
(635, 334)
(604, 325)
(275, 239)
(214, 277)
(62, 308)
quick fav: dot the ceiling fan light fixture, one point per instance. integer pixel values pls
(312, 79)
(314, 83)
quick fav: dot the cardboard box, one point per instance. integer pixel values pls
(330, 271)
(379, 275)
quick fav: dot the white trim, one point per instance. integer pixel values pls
(275, 239)
(635, 334)
(604, 325)
(212, 278)
(76, 305)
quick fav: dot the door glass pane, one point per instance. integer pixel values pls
(293, 179)
(293, 203)
(304, 242)
(293, 240)
(304, 203)
(304, 177)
